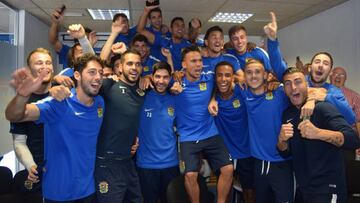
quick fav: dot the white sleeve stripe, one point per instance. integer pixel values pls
(261, 49)
(154, 58)
(63, 71)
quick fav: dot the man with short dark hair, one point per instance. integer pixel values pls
(71, 129)
(314, 143)
(126, 33)
(232, 123)
(115, 173)
(197, 129)
(239, 42)
(140, 44)
(175, 44)
(157, 159)
(214, 42)
(321, 65)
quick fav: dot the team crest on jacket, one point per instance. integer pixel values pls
(202, 86)
(103, 187)
(170, 111)
(140, 92)
(146, 68)
(236, 103)
(28, 184)
(100, 112)
(269, 96)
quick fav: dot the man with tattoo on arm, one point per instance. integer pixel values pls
(314, 143)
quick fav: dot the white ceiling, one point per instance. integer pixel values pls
(288, 11)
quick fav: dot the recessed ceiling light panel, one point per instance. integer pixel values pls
(106, 14)
(230, 17)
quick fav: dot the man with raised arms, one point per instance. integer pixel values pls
(71, 129)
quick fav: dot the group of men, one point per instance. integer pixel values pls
(164, 89)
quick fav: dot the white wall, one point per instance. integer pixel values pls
(32, 34)
(336, 31)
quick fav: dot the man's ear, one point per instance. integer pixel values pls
(183, 64)
(206, 42)
(77, 76)
(266, 74)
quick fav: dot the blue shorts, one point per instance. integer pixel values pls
(244, 168)
(117, 181)
(213, 149)
(154, 182)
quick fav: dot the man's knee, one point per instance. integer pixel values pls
(191, 177)
(227, 170)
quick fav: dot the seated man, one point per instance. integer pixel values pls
(71, 128)
(315, 143)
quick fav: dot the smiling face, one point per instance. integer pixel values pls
(178, 29)
(320, 69)
(161, 80)
(215, 42)
(40, 61)
(130, 68)
(224, 78)
(255, 76)
(338, 77)
(295, 87)
(90, 78)
(142, 48)
(155, 18)
(239, 41)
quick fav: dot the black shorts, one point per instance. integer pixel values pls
(88, 199)
(213, 149)
(273, 180)
(117, 181)
(323, 198)
(244, 168)
(154, 182)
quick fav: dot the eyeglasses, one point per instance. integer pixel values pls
(338, 75)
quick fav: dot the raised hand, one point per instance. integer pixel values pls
(118, 48)
(57, 16)
(271, 28)
(77, 31)
(149, 8)
(24, 83)
(286, 132)
(117, 27)
(308, 130)
(166, 52)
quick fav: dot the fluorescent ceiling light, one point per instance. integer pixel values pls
(73, 14)
(230, 17)
(106, 14)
